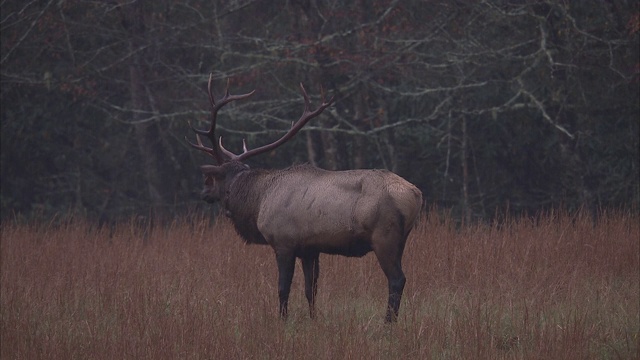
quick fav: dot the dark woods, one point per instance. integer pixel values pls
(488, 108)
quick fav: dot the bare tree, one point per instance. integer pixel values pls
(547, 94)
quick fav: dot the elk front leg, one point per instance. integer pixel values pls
(286, 267)
(311, 268)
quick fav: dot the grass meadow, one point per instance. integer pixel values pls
(555, 286)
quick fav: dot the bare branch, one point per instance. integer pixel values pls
(540, 106)
(26, 33)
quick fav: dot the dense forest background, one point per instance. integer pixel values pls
(489, 107)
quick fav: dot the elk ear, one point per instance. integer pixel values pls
(211, 170)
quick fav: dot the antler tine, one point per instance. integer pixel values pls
(226, 152)
(212, 100)
(307, 115)
(226, 90)
(198, 145)
(307, 102)
(215, 107)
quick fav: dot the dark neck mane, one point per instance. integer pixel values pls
(242, 203)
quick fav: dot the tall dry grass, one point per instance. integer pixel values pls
(554, 287)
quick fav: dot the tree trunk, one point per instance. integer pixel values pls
(330, 149)
(311, 149)
(358, 154)
(466, 212)
(147, 133)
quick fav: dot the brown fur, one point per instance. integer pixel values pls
(303, 211)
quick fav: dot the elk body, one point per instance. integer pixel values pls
(303, 211)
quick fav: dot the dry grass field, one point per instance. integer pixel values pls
(557, 286)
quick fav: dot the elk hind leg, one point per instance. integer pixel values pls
(388, 250)
(286, 267)
(311, 268)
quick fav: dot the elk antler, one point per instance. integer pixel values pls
(215, 150)
(295, 127)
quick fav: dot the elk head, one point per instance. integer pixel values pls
(228, 163)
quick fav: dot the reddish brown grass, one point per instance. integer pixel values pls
(555, 287)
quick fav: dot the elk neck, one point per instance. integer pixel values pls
(242, 198)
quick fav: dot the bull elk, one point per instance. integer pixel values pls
(303, 211)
